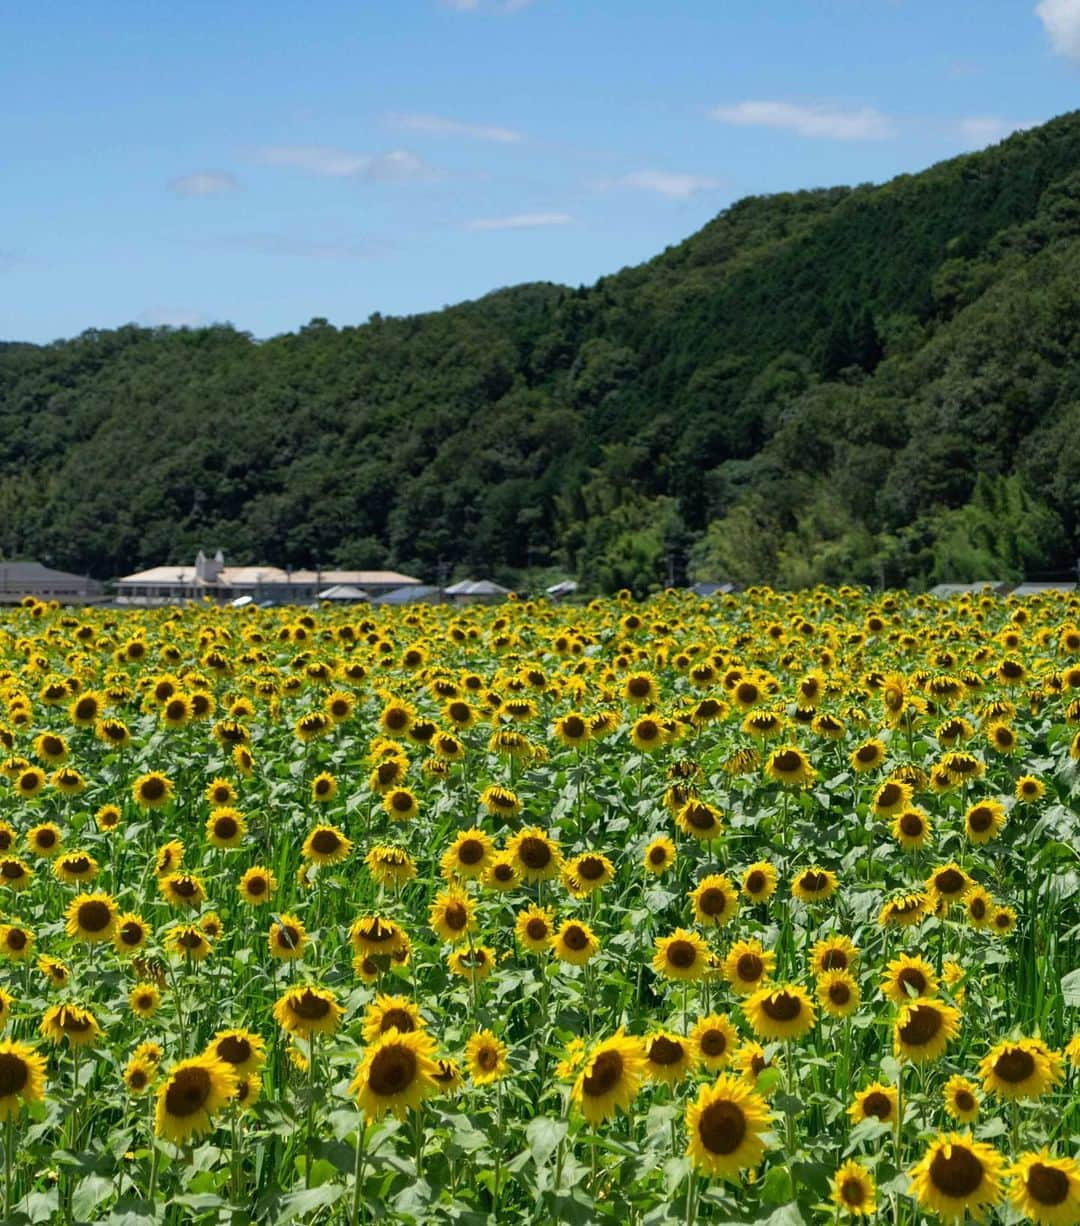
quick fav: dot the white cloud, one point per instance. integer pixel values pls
(978, 131)
(204, 183)
(520, 221)
(169, 317)
(436, 125)
(398, 166)
(668, 183)
(1061, 19)
(828, 122)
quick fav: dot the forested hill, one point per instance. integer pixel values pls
(848, 384)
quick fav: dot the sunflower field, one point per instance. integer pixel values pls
(759, 909)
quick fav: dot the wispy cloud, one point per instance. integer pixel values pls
(1061, 19)
(437, 125)
(326, 161)
(978, 131)
(826, 122)
(204, 183)
(302, 248)
(169, 317)
(668, 183)
(520, 221)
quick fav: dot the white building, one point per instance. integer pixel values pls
(211, 579)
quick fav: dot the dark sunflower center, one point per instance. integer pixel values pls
(226, 828)
(755, 882)
(234, 1049)
(949, 881)
(889, 795)
(839, 993)
(977, 908)
(605, 1074)
(131, 933)
(256, 885)
(392, 1071)
(574, 727)
(591, 868)
(325, 842)
(701, 817)
(834, 960)
(781, 1007)
(14, 1074)
(912, 825)
(402, 802)
(12, 870)
(749, 968)
(94, 916)
(964, 1100)
(682, 954)
(471, 851)
(576, 938)
(713, 1043)
(913, 977)
(188, 1091)
(137, 1079)
(186, 887)
(456, 916)
(852, 1192)
(309, 1006)
(813, 882)
(921, 1027)
(722, 1127)
(487, 1058)
(397, 1019)
(536, 928)
(152, 789)
(534, 853)
(958, 1175)
(980, 819)
(1047, 1184)
(648, 730)
(877, 1105)
(866, 753)
(713, 901)
(787, 762)
(664, 1051)
(657, 855)
(1015, 1065)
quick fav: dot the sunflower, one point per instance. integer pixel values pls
(30, 783)
(813, 884)
(907, 978)
(575, 942)
(287, 938)
(308, 1010)
(220, 793)
(891, 798)
(587, 872)
(152, 790)
(949, 883)
(923, 1030)
(468, 855)
(474, 962)
(962, 767)
(144, 1000)
(878, 1102)
(904, 909)
(16, 874)
(44, 840)
(192, 1092)
(372, 935)
(868, 756)
(912, 829)
(838, 993)
(648, 734)
(76, 1024)
(51, 748)
(853, 1190)
(257, 886)
(390, 1013)
(1002, 739)
(182, 890)
(984, 820)
(74, 867)
(534, 929)
(791, 767)
(640, 689)
(130, 934)
(610, 1077)
(22, 1077)
(326, 845)
(713, 1039)
(957, 1176)
(242, 1050)
(91, 917)
(536, 854)
(1030, 789)
(780, 1012)
(138, 1075)
(6, 1001)
(448, 1076)
(1021, 1068)
(396, 1074)
(500, 802)
(724, 1125)
(452, 916)
(961, 1099)
(978, 906)
(668, 1057)
(188, 941)
(759, 881)
(169, 858)
(243, 760)
(659, 855)
(715, 901)
(226, 827)
(681, 956)
(700, 820)
(833, 953)
(1003, 921)
(1046, 1189)
(747, 966)
(486, 1057)
(114, 732)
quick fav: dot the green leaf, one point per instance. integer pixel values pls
(777, 1187)
(1070, 988)
(307, 1200)
(543, 1135)
(89, 1193)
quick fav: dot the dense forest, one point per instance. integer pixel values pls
(876, 384)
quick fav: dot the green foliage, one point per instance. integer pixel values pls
(808, 389)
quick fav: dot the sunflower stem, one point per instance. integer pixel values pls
(358, 1173)
(9, 1146)
(691, 1198)
(309, 1128)
(498, 1150)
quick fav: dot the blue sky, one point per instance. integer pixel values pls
(265, 163)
